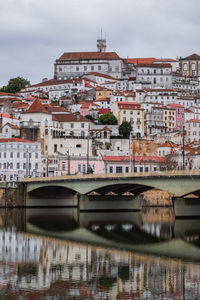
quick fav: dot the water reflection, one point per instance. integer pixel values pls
(37, 267)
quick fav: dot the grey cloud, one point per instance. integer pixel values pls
(33, 33)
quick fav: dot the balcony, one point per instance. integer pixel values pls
(26, 124)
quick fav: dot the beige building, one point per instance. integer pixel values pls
(129, 112)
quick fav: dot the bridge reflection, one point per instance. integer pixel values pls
(38, 267)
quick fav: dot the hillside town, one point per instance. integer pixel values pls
(101, 113)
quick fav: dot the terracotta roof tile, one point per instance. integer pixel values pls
(12, 126)
(37, 107)
(137, 158)
(194, 56)
(140, 60)
(14, 140)
(69, 118)
(89, 55)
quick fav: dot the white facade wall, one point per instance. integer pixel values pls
(192, 131)
(72, 69)
(19, 159)
(40, 119)
(157, 77)
(75, 146)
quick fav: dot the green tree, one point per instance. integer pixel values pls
(89, 117)
(15, 85)
(108, 119)
(125, 129)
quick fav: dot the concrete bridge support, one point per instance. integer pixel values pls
(110, 203)
(186, 207)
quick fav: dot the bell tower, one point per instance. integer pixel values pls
(101, 44)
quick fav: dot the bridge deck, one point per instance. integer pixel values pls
(156, 174)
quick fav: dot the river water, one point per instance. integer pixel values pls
(59, 254)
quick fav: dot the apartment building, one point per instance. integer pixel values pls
(19, 158)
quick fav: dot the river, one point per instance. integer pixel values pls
(60, 254)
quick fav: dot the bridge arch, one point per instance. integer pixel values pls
(51, 195)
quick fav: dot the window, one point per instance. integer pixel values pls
(4, 165)
(92, 68)
(63, 166)
(11, 165)
(99, 68)
(118, 169)
(11, 154)
(18, 165)
(82, 133)
(85, 68)
(79, 168)
(83, 168)
(77, 68)
(36, 155)
(111, 169)
(141, 169)
(4, 154)
(24, 166)
(82, 125)
(72, 125)
(127, 169)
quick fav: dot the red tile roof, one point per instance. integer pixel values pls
(7, 116)
(194, 56)
(140, 60)
(12, 126)
(103, 111)
(194, 120)
(7, 94)
(89, 55)
(99, 75)
(69, 118)
(37, 107)
(56, 82)
(14, 140)
(129, 105)
(175, 105)
(149, 65)
(137, 158)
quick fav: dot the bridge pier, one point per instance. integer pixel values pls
(186, 207)
(110, 203)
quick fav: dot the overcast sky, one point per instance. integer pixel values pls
(33, 33)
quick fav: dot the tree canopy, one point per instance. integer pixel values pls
(125, 129)
(15, 85)
(108, 119)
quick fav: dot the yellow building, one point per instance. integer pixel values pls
(103, 93)
(129, 112)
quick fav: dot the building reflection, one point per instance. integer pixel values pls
(33, 267)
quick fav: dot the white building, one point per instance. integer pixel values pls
(192, 130)
(19, 158)
(157, 75)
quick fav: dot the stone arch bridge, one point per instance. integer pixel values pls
(110, 189)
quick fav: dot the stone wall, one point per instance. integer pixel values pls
(157, 198)
(8, 197)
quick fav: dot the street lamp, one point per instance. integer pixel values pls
(134, 153)
(183, 151)
(68, 161)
